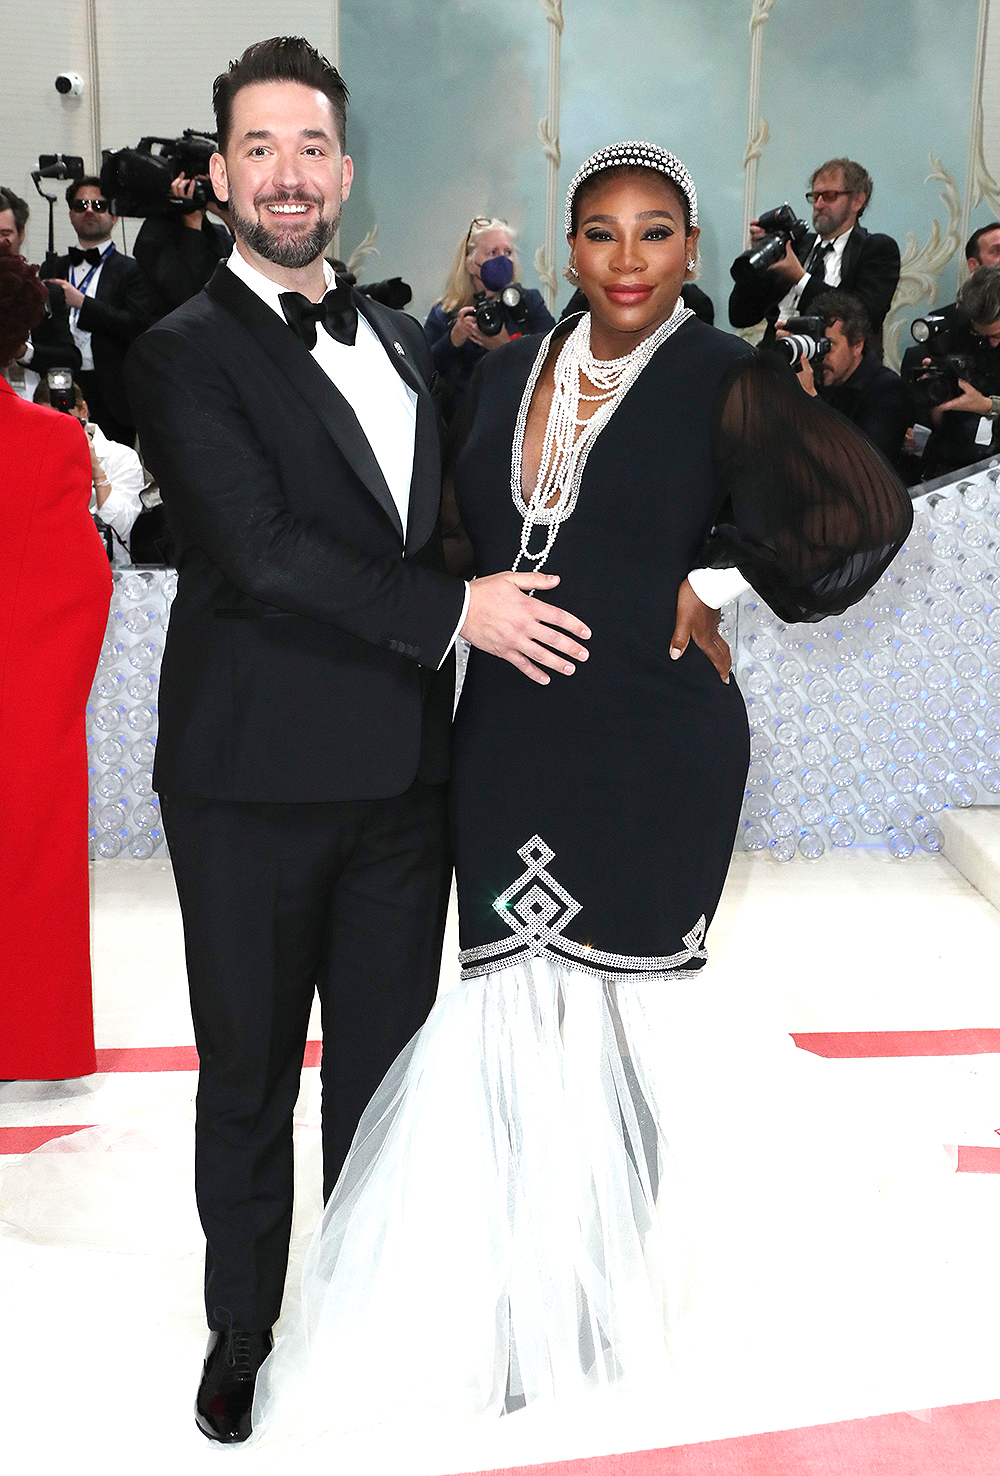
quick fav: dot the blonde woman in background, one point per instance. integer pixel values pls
(456, 342)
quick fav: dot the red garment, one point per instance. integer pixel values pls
(55, 588)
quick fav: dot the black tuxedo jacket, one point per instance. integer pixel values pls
(52, 341)
(302, 657)
(869, 269)
(123, 307)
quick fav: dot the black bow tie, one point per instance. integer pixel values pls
(336, 311)
(78, 257)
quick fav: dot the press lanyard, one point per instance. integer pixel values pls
(81, 287)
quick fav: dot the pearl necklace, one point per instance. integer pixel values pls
(568, 439)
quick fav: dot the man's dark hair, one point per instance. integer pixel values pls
(281, 59)
(972, 244)
(10, 201)
(979, 299)
(78, 184)
(856, 179)
(847, 310)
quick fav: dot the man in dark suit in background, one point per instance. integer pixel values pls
(109, 303)
(307, 683)
(51, 344)
(179, 253)
(838, 252)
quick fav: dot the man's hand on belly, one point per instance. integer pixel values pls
(505, 621)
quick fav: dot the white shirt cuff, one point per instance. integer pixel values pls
(28, 354)
(458, 627)
(716, 587)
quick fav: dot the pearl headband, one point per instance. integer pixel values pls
(646, 156)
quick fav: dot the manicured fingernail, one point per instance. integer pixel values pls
(585, 634)
(582, 655)
(675, 654)
(569, 670)
(727, 681)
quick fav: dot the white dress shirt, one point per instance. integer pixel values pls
(385, 405)
(832, 269)
(121, 507)
(77, 276)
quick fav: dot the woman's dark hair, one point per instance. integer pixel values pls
(623, 171)
(22, 302)
(281, 59)
(78, 184)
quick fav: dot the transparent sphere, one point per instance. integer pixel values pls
(879, 698)
(759, 613)
(812, 811)
(975, 495)
(965, 760)
(913, 589)
(784, 792)
(146, 815)
(759, 746)
(945, 548)
(109, 717)
(946, 510)
(930, 837)
(933, 797)
(993, 684)
(141, 685)
(842, 833)
(989, 778)
(813, 781)
(878, 730)
(965, 699)
(872, 821)
(787, 734)
(994, 620)
(841, 803)
(141, 619)
(879, 663)
(110, 751)
(875, 758)
(111, 783)
(815, 751)
(961, 793)
(142, 752)
(141, 847)
(142, 783)
(790, 671)
(936, 677)
(757, 806)
(811, 846)
(787, 702)
(140, 718)
(964, 727)
(872, 791)
(907, 716)
(904, 750)
(847, 710)
(784, 762)
(756, 680)
(845, 745)
(941, 612)
(970, 632)
(783, 822)
(111, 817)
(842, 775)
(754, 836)
(820, 689)
(938, 705)
(761, 645)
(816, 719)
(940, 643)
(935, 769)
(848, 679)
(909, 654)
(108, 845)
(974, 566)
(900, 844)
(907, 687)
(758, 773)
(143, 655)
(110, 684)
(901, 814)
(169, 585)
(911, 622)
(992, 715)
(905, 780)
(758, 713)
(783, 848)
(971, 600)
(975, 535)
(991, 746)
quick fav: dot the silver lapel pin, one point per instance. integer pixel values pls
(399, 349)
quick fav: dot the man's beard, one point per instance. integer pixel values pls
(292, 252)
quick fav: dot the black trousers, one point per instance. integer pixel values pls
(279, 901)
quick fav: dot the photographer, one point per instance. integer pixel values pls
(50, 345)
(455, 325)
(110, 304)
(838, 252)
(966, 425)
(116, 472)
(178, 254)
(851, 378)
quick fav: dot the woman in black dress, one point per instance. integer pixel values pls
(507, 1226)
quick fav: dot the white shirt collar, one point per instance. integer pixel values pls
(838, 243)
(268, 291)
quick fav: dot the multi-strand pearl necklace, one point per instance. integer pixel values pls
(568, 438)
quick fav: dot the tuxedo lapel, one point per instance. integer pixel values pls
(852, 251)
(425, 481)
(294, 360)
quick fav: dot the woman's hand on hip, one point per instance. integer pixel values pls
(700, 623)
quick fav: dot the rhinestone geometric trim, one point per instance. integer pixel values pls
(634, 151)
(537, 910)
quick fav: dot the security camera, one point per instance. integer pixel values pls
(70, 84)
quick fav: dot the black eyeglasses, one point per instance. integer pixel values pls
(99, 206)
(478, 220)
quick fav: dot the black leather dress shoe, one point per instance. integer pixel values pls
(225, 1395)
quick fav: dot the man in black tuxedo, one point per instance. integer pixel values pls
(51, 343)
(307, 683)
(110, 304)
(838, 252)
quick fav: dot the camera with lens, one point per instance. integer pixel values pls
(62, 391)
(781, 226)
(137, 181)
(935, 383)
(497, 274)
(806, 340)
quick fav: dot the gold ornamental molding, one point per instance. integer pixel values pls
(548, 137)
(922, 265)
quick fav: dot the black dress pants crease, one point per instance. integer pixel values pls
(346, 898)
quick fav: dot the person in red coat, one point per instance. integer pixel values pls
(55, 588)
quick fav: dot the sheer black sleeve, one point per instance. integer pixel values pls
(812, 513)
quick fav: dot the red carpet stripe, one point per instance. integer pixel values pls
(961, 1440)
(974, 1158)
(858, 1044)
(172, 1058)
(26, 1139)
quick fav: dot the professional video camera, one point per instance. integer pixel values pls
(781, 225)
(806, 340)
(936, 383)
(497, 274)
(54, 166)
(137, 181)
